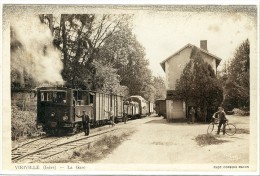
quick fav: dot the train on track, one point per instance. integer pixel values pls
(137, 107)
(59, 109)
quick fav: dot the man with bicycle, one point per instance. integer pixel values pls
(221, 115)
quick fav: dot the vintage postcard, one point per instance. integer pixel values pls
(130, 89)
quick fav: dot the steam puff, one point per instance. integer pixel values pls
(34, 51)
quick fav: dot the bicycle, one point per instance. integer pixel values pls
(230, 128)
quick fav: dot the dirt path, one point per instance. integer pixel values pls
(158, 142)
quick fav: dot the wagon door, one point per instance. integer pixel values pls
(120, 106)
(106, 106)
(102, 106)
(97, 107)
(113, 104)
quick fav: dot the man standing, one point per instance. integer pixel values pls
(192, 114)
(198, 114)
(111, 116)
(124, 117)
(85, 123)
(222, 119)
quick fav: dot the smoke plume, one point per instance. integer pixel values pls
(32, 50)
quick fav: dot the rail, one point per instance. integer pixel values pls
(45, 151)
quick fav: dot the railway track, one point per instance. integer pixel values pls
(46, 147)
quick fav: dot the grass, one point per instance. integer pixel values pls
(23, 123)
(242, 131)
(96, 151)
(208, 139)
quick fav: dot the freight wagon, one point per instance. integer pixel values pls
(160, 107)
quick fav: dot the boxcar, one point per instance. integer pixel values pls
(60, 109)
(160, 107)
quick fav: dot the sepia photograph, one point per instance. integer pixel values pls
(123, 88)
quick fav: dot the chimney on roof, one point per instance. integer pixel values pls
(203, 45)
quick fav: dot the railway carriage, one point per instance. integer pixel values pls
(131, 109)
(60, 109)
(142, 103)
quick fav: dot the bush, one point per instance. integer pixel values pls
(208, 139)
(229, 112)
(241, 112)
(25, 105)
(23, 123)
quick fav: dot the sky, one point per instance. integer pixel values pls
(162, 33)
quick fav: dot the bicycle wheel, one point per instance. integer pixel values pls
(210, 128)
(230, 129)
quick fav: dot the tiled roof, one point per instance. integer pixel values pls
(190, 45)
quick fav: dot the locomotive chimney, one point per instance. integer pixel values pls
(203, 45)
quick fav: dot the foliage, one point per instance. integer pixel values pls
(21, 80)
(236, 77)
(79, 37)
(124, 53)
(160, 88)
(23, 123)
(184, 85)
(198, 84)
(242, 131)
(240, 112)
(107, 80)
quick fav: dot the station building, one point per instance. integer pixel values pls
(173, 67)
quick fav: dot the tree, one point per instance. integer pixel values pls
(100, 52)
(184, 85)
(198, 84)
(160, 88)
(80, 37)
(107, 80)
(237, 82)
(125, 54)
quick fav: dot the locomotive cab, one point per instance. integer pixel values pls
(60, 109)
(52, 107)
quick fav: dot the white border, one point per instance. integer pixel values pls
(132, 2)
